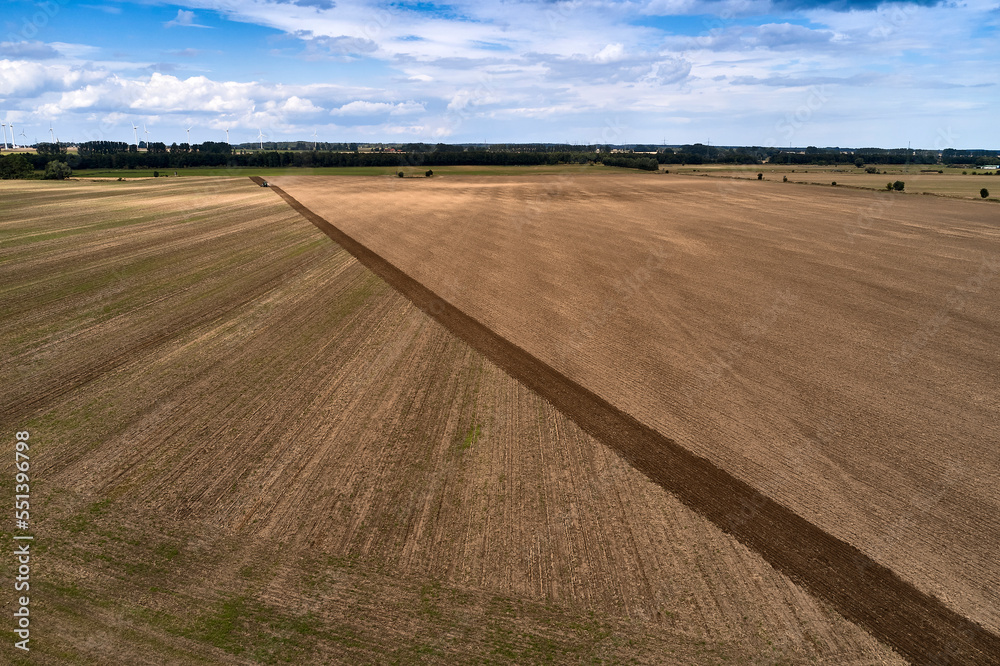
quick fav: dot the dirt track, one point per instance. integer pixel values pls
(864, 590)
(306, 468)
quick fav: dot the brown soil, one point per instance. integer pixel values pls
(247, 448)
(801, 341)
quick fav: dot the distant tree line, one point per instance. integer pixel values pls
(121, 155)
(182, 156)
(297, 145)
(630, 161)
(969, 157)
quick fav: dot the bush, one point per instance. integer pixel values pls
(400, 174)
(888, 186)
(784, 179)
(834, 183)
(859, 163)
(760, 176)
(55, 170)
(965, 173)
(871, 170)
(984, 193)
(156, 174)
(898, 185)
(428, 173)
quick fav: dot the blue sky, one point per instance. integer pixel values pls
(760, 72)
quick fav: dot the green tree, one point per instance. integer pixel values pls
(984, 193)
(898, 185)
(859, 163)
(15, 166)
(54, 149)
(56, 170)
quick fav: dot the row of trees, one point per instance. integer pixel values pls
(99, 157)
(969, 157)
(120, 155)
(630, 161)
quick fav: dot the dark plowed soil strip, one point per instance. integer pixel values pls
(916, 624)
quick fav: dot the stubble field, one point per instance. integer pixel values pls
(246, 448)
(918, 179)
(834, 349)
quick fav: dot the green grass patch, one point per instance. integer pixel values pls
(472, 435)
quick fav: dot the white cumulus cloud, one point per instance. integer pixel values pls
(184, 19)
(361, 107)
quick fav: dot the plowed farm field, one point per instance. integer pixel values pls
(836, 350)
(247, 448)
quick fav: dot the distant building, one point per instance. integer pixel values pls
(994, 167)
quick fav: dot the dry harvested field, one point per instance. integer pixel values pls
(247, 448)
(950, 183)
(836, 350)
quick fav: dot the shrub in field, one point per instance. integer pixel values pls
(984, 193)
(898, 185)
(834, 183)
(156, 174)
(784, 179)
(428, 173)
(859, 162)
(871, 170)
(760, 176)
(400, 174)
(56, 170)
(888, 186)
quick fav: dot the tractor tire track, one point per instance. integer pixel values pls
(916, 624)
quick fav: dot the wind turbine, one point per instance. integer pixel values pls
(25, 142)
(227, 135)
(314, 135)
(135, 131)
(146, 132)
(52, 134)
(13, 144)
(260, 137)
(189, 134)
(4, 127)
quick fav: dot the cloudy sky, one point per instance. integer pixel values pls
(763, 72)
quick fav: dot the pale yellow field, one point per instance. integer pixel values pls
(951, 183)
